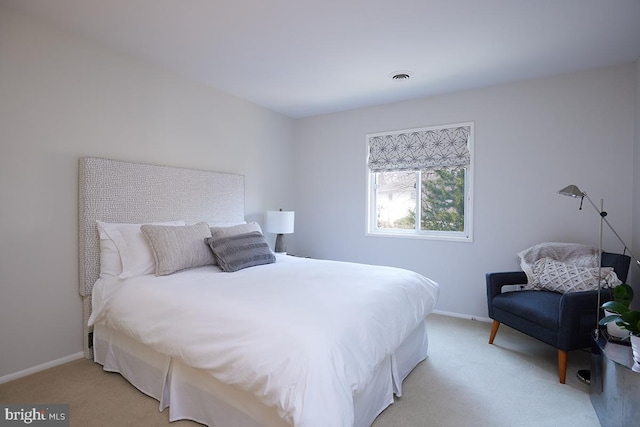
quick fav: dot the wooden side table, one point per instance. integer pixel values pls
(615, 387)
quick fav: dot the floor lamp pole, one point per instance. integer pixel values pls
(603, 219)
(597, 330)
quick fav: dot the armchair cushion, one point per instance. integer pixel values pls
(541, 308)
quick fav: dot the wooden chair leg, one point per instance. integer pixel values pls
(494, 331)
(562, 365)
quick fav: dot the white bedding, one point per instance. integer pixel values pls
(302, 335)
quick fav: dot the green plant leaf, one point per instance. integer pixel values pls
(607, 319)
(623, 294)
(630, 321)
(615, 307)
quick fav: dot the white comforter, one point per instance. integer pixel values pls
(302, 335)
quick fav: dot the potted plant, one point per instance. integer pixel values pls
(631, 322)
(622, 297)
(625, 318)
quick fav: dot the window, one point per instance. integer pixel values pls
(420, 182)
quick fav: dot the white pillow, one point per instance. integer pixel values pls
(135, 255)
(110, 263)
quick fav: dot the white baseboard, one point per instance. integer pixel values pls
(42, 367)
(462, 316)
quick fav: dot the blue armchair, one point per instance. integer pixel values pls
(564, 321)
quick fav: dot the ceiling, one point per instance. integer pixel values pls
(309, 57)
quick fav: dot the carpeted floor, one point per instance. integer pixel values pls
(463, 382)
(512, 383)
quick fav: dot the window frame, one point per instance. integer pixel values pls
(417, 233)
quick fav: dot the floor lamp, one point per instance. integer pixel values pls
(573, 191)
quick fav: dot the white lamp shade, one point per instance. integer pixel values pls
(280, 222)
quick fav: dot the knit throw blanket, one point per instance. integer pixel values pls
(565, 267)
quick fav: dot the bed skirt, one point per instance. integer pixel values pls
(194, 394)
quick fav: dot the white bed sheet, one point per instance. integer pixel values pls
(301, 335)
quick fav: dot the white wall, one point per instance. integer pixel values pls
(62, 98)
(531, 139)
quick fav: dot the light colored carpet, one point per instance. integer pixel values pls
(513, 383)
(464, 382)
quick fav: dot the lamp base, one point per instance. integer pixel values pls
(281, 247)
(584, 375)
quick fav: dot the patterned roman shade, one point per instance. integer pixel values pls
(420, 149)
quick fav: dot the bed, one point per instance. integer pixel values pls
(219, 329)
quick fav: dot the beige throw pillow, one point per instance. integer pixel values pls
(179, 248)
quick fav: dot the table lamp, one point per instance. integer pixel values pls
(280, 223)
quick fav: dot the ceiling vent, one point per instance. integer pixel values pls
(400, 75)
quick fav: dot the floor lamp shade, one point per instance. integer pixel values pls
(571, 191)
(280, 223)
(574, 191)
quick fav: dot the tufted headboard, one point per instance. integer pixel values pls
(126, 192)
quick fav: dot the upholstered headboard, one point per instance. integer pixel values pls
(125, 192)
